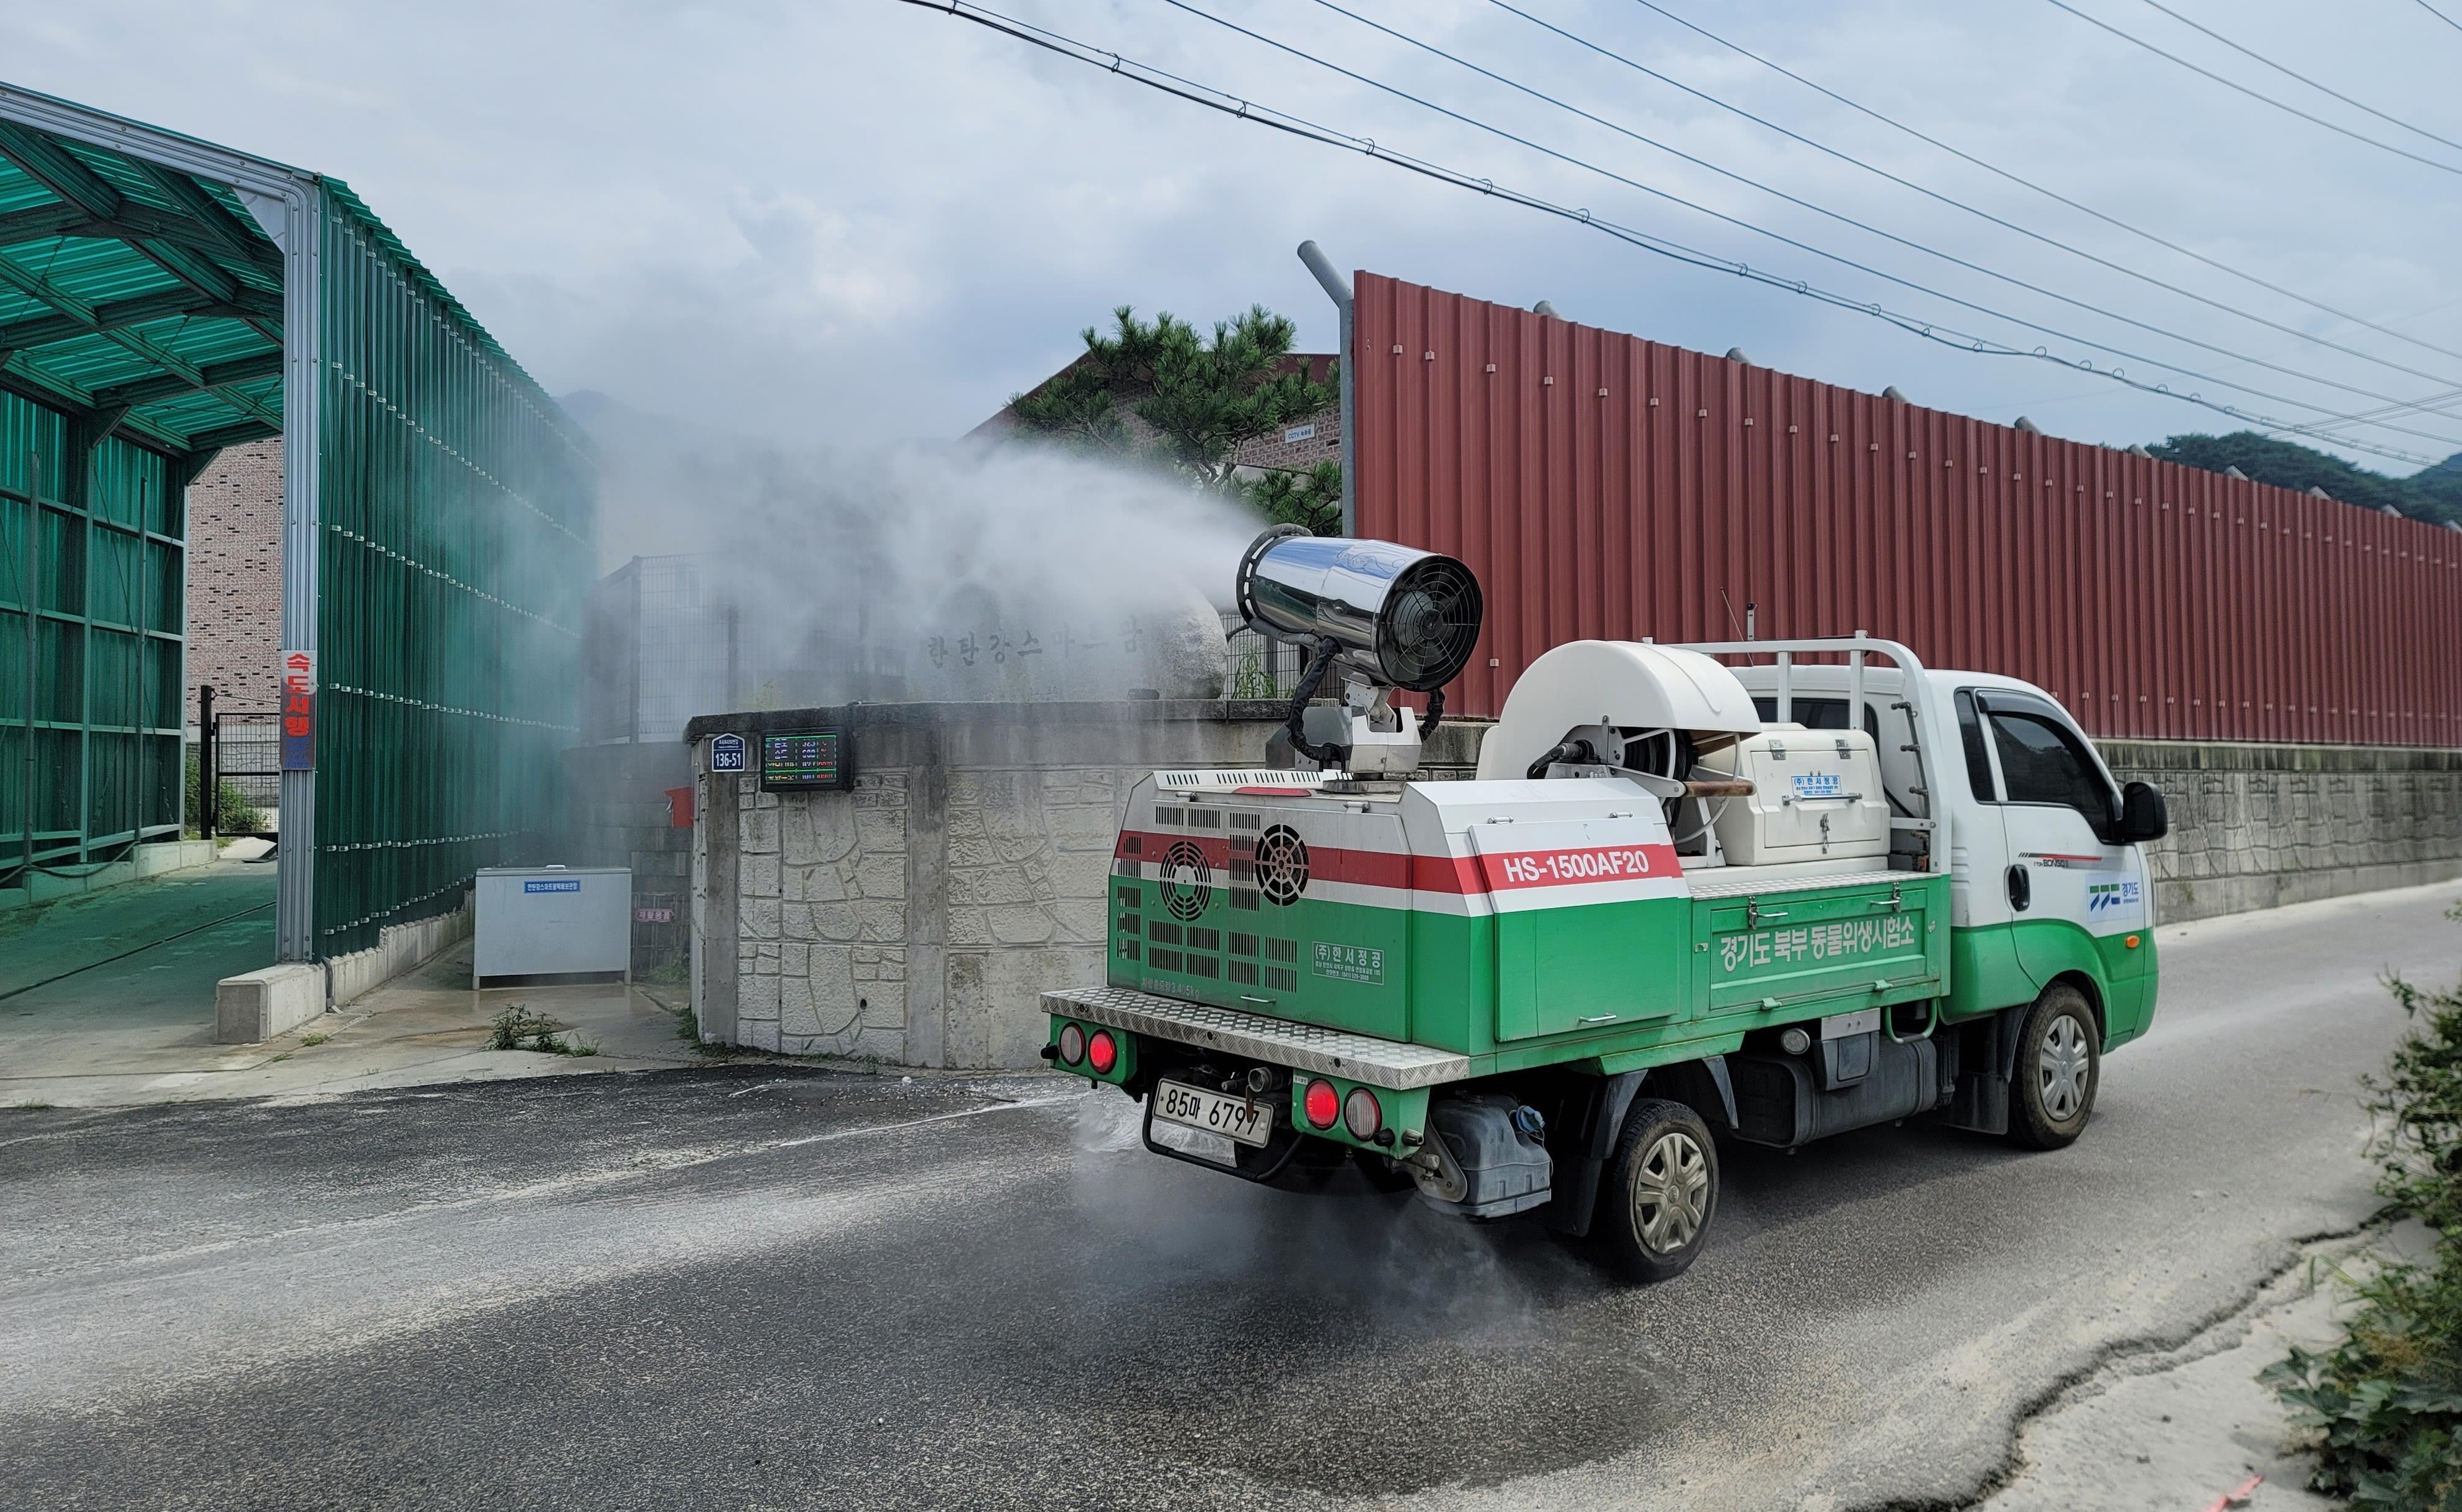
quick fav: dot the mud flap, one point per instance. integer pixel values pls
(1581, 1149)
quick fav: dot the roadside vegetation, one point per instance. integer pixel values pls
(518, 1029)
(2385, 1403)
(235, 814)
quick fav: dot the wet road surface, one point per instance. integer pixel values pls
(755, 1286)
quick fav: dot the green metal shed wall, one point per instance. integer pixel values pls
(105, 575)
(456, 519)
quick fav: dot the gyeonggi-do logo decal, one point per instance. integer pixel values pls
(2113, 897)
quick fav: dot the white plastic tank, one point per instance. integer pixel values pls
(552, 921)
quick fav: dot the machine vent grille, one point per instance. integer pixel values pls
(1282, 865)
(1187, 883)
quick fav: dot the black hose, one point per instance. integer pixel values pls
(1435, 714)
(1328, 756)
(1575, 751)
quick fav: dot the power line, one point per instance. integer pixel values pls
(1931, 194)
(2103, 262)
(2254, 94)
(2303, 78)
(2053, 195)
(1245, 110)
(2440, 15)
(1806, 247)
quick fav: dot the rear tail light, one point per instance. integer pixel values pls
(1102, 1052)
(1322, 1104)
(1361, 1115)
(1072, 1044)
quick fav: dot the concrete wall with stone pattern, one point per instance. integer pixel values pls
(2259, 826)
(919, 918)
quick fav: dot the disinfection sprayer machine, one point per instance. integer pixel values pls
(1695, 894)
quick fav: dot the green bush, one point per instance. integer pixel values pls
(2386, 1404)
(237, 815)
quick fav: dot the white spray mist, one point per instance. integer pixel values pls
(951, 573)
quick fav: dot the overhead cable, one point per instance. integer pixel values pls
(2361, 105)
(2051, 194)
(1842, 260)
(1862, 225)
(1249, 111)
(2440, 15)
(2029, 232)
(2256, 94)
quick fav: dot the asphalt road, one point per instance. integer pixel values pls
(749, 1288)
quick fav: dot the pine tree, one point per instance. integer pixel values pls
(1198, 399)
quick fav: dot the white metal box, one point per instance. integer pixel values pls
(1816, 797)
(552, 921)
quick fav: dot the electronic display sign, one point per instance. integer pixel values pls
(803, 760)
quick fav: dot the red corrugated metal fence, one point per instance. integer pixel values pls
(1603, 485)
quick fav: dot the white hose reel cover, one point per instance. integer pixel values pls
(1627, 683)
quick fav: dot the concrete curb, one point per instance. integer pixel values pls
(399, 948)
(151, 859)
(256, 1006)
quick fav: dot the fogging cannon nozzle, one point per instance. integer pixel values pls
(1404, 617)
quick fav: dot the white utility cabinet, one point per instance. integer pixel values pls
(552, 921)
(1816, 797)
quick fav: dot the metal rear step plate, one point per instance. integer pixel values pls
(1303, 1046)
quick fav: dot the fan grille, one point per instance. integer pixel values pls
(1187, 882)
(1282, 865)
(1430, 624)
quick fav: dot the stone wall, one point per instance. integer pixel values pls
(917, 918)
(2259, 826)
(920, 917)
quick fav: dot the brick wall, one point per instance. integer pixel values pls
(236, 578)
(1322, 442)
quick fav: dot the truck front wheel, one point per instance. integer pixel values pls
(2060, 1061)
(1662, 1188)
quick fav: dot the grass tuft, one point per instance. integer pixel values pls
(518, 1029)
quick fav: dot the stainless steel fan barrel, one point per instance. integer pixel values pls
(1407, 617)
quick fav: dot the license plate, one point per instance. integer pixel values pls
(1249, 1122)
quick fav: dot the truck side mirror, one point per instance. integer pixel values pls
(2142, 816)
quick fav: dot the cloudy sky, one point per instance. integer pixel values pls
(843, 220)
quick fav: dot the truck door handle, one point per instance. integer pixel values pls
(2021, 889)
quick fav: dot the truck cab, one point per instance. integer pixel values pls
(2046, 885)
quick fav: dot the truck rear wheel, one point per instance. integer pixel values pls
(2059, 1061)
(1662, 1188)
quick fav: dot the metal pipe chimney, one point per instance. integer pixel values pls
(1338, 289)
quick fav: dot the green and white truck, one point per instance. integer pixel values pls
(1760, 891)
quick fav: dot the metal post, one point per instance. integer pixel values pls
(303, 223)
(209, 771)
(734, 657)
(632, 640)
(33, 637)
(1338, 289)
(1855, 687)
(1786, 687)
